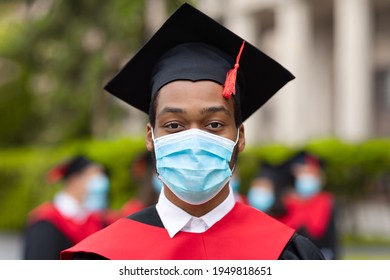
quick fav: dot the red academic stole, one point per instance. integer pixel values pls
(244, 233)
(75, 231)
(313, 213)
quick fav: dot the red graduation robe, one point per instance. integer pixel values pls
(313, 213)
(74, 231)
(244, 233)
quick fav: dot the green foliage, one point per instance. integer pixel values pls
(352, 169)
(53, 63)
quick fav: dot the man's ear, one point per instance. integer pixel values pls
(241, 138)
(149, 139)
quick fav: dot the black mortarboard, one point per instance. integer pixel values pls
(65, 170)
(267, 170)
(305, 157)
(212, 52)
(273, 172)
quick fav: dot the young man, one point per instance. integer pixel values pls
(195, 133)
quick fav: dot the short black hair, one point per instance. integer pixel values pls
(153, 108)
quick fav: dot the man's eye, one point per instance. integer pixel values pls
(214, 125)
(172, 125)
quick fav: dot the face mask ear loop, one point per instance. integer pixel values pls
(235, 143)
(158, 175)
(238, 136)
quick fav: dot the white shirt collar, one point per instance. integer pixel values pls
(175, 219)
(69, 206)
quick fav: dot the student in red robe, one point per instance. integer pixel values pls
(76, 211)
(148, 186)
(309, 208)
(198, 82)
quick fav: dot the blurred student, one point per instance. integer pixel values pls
(75, 212)
(148, 186)
(310, 209)
(266, 190)
(235, 185)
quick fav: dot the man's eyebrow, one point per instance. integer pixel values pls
(171, 110)
(215, 109)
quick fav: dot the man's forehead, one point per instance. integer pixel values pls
(187, 97)
(184, 91)
(202, 110)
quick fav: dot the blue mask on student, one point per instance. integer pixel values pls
(261, 199)
(157, 184)
(97, 193)
(235, 184)
(307, 185)
(194, 164)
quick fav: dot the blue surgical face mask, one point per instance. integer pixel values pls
(194, 164)
(261, 198)
(97, 193)
(307, 185)
(157, 184)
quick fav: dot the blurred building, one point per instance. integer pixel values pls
(339, 51)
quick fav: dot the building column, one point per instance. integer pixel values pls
(353, 81)
(155, 15)
(294, 51)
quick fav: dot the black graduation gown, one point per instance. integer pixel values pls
(296, 246)
(44, 232)
(329, 241)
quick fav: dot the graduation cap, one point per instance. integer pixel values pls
(267, 170)
(64, 170)
(192, 46)
(273, 172)
(306, 158)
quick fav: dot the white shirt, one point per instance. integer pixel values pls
(69, 207)
(176, 219)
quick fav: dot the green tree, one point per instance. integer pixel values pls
(55, 57)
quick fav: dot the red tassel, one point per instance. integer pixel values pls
(229, 87)
(56, 174)
(312, 161)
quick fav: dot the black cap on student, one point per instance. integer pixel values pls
(66, 169)
(305, 158)
(192, 46)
